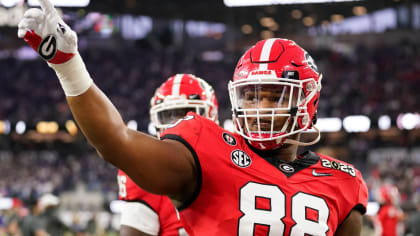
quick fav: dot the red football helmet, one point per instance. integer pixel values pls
(276, 80)
(388, 194)
(180, 94)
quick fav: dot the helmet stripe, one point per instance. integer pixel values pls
(265, 54)
(177, 84)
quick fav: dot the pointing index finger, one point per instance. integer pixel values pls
(46, 6)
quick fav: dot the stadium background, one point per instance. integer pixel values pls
(368, 52)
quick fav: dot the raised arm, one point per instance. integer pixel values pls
(163, 167)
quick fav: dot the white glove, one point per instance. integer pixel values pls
(47, 34)
(45, 31)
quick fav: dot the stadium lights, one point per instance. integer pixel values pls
(242, 3)
(4, 127)
(71, 127)
(9, 3)
(359, 10)
(308, 21)
(247, 29)
(20, 127)
(151, 129)
(132, 124)
(384, 122)
(45, 127)
(408, 121)
(332, 124)
(63, 3)
(267, 22)
(356, 123)
(266, 34)
(350, 124)
(296, 14)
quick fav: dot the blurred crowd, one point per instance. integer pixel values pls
(369, 81)
(37, 181)
(28, 174)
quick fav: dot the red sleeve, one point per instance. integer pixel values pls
(129, 191)
(187, 131)
(363, 194)
(355, 196)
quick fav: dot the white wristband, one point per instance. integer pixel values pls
(73, 76)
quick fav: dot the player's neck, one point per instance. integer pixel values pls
(286, 153)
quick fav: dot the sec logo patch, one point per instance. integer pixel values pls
(240, 158)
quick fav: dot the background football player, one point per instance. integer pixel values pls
(389, 214)
(251, 182)
(150, 214)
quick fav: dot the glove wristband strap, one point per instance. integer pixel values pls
(73, 76)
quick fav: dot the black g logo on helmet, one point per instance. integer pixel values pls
(48, 47)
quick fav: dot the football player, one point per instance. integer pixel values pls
(389, 214)
(150, 214)
(251, 182)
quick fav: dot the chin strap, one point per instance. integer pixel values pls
(292, 141)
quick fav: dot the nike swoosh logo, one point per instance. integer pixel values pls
(314, 173)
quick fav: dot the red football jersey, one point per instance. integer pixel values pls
(388, 217)
(241, 193)
(170, 224)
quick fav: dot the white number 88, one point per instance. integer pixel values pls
(273, 217)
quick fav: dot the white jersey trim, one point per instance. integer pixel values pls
(140, 217)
